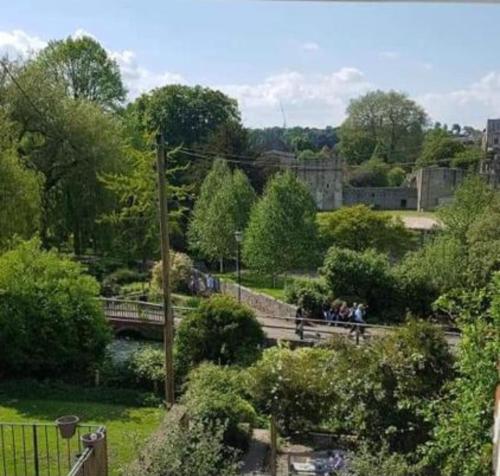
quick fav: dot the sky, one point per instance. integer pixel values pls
(298, 61)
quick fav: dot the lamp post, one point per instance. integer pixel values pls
(238, 235)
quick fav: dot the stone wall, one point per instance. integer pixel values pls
(436, 185)
(383, 198)
(261, 303)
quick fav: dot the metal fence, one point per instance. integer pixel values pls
(38, 449)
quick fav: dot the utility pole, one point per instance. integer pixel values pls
(168, 327)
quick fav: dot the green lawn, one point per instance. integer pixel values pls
(128, 426)
(259, 283)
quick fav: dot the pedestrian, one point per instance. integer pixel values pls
(344, 312)
(299, 321)
(358, 320)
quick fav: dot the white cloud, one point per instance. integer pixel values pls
(315, 100)
(310, 46)
(18, 44)
(391, 55)
(471, 105)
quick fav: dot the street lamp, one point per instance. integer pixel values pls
(238, 235)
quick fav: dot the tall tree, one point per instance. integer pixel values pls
(222, 209)
(439, 148)
(20, 190)
(85, 70)
(388, 123)
(281, 233)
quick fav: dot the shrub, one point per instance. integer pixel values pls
(217, 393)
(50, 320)
(181, 267)
(361, 277)
(179, 451)
(360, 228)
(112, 283)
(311, 294)
(396, 176)
(294, 385)
(147, 366)
(220, 331)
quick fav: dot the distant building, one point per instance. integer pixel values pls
(490, 165)
(426, 189)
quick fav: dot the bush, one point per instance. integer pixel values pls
(359, 228)
(361, 277)
(179, 451)
(217, 393)
(147, 366)
(181, 268)
(50, 320)
(311, 294)
(220, 331)
(112, 283)
(396, 176)
(294, 385)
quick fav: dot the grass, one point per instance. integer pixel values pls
(128, 426)
(259, 283)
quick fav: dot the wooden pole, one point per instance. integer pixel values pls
(168, 328)
(274, 446)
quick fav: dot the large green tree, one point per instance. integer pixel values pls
(281, 234)
(20, 187)
(70, 142)
(387, 125)
(223, 208)
(85, 70)
(439, 148)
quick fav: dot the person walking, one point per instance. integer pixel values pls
(358, 320)
(299, 321)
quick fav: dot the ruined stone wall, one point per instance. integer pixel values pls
(382, 198)
(436, 186)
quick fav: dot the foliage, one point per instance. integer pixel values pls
(295, 386)
(69, 143)
(181, 269)
(281, 234)
(220, 331)
(381, 124)
(360, 228)
(135, 216)
(20, 191)
(223, 208)
(372, 173)
(177, 451)
(465, 417)
(439, 148)
(85, 70)
(147, 366)
(50, 321)
(396, 176)
(215, 393)
(309, 293)
(381, 462)
(468, 159)
(360, 277)
(112, 283)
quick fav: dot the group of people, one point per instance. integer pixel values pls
(338, 313)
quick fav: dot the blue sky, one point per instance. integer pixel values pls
(310, 57)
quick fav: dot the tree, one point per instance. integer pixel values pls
(372, 173)
(85, 70)
(468, 159)
(396, 177)
(363, 277)
(281, 233)
(222, 208)
(220, 331)
(388, 123)
(465, 416)
(439, 148)
(134, 215)
(50, 320)
(360, 228)
(20, 190)
(69, 143)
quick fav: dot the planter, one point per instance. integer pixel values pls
(90, 440)
(67, 425)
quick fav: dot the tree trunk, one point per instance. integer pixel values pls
(221, 264)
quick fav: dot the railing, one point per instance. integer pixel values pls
(38, 449)
(292, 328)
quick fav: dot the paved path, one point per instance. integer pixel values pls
(420, 223)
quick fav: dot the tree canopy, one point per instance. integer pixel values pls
(281, 232)
(387, 125)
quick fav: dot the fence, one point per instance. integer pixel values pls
(39, 449)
